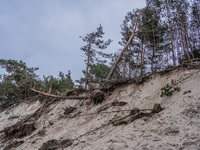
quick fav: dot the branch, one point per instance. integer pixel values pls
(60, 97)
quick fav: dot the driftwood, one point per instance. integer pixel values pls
(61, 97)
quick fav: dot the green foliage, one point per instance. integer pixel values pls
(169, 89)
(195, 54)
(93, 51)
(94, 44)
(99, 72)
(58, 85)
(18, 80)
(18, 70)
(15, 85)
(8, 89)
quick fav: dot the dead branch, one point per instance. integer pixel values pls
(60, 97)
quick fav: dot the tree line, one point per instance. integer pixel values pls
(16, 83)
(162, 35)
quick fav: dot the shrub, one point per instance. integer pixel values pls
(169, 89)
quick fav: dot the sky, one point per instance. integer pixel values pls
(45, 33)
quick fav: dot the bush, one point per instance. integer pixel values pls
(169, 89)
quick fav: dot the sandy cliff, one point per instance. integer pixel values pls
(177, 127)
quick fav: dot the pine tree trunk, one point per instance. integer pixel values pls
(135, 76)
(154, 49)
(152, 60)
(142, 59)
(186, 31)
(183, 35)
(88, 62)
(170, 30)
(124, 65)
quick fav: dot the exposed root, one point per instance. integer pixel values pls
(19, 131)
(97, 97)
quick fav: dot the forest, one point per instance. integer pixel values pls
(162, 35)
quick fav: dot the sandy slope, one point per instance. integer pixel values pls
(177, 127)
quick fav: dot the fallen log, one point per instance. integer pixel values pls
(61, 97)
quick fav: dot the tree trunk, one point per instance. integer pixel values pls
(183, 35)
(124, 65)
(142, 59)
(154, 49)
(170, 30)
(127, 44)
(136, 65)
(187, 36)
(60, 97)
(88, 62)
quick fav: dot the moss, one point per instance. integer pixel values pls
(115, 118)
(157, 108)
(134, 111)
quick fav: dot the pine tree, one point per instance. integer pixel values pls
(195, 26)
(92, 49)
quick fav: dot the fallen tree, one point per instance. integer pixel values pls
(60, 97)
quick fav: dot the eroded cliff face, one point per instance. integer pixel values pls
(175, 127)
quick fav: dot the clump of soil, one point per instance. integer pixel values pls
(69, 110)
(97, 97)
(55, 144)
(76, 92)
(19, 131)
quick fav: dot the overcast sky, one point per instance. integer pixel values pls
(45, 33)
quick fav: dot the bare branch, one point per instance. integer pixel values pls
(60, 97)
